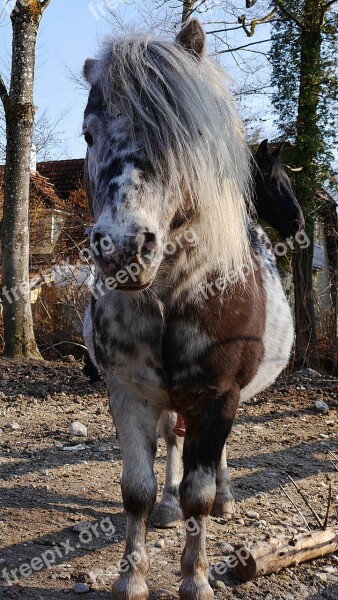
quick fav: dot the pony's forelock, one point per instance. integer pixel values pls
(188, 129)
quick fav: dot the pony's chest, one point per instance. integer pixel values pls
(143, 348)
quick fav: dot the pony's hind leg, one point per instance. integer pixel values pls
(168, 512)
(136, 427)
(224, 503)
(205, 437)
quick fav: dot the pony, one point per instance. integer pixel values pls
(273, 196)
(187, 312)
(274, 202)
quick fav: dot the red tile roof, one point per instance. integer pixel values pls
(42, 187)
(65, 175)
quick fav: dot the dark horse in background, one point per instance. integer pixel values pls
(274, 202)
(168, 179)
(274, 199)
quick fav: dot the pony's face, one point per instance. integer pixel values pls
(126, 199)
(131, 202)
(275, 200)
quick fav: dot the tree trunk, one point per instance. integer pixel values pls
(19, 107)
(305, 320)
(308, 147)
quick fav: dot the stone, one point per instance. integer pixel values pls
(251, 514)
(219, 585)
(159, 543)
(162, 593)
(79, 527)
(13, 426)
(81, 588)
(78, 429)
(307, 373)
(321, 407)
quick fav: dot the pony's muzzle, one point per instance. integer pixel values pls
(131, 262)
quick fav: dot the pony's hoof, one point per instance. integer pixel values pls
(196, 589)
(130, 588)
(166, 515)
(224, 509)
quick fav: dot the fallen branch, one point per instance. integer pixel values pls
(307, 502)
(296, 507)
(274, 555)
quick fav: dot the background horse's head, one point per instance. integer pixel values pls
(166, 151)
(275, 201)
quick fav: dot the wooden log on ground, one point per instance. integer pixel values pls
(264, 558)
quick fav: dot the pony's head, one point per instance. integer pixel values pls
(166, 151)
(275, 200)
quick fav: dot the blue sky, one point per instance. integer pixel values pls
(70, 32)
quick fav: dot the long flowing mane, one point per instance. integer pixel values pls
(189, 131)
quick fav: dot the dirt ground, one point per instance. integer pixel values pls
(47, 488)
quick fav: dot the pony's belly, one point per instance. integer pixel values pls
(277, 339)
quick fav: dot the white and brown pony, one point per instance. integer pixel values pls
(188, 313)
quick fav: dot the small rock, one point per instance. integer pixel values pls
(2, 561)
(321, 407)
(307, 373)
(219, 585)
(240, 521)
(79, 527)
(74, 448)
(159, 543)
(261, 523)
(77, 428)
(81, 588)
(321, 576)
(251, 514)
(330, 569)
(225, 547)
(13, 426)
(163, 594)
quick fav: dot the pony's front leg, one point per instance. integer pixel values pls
(168, 512)
(135, 423)
(205, 438)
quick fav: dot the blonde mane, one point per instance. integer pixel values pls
(191, 134)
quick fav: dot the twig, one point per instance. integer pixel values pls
(334, 465)
(296, 507)
(333, 454)
(328, 507)
(306, 502)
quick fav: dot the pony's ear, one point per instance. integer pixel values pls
(262, 151)
(192, 38)
(278, 150)
(89, 70)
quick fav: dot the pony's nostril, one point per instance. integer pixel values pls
(149, 244)
(103, 245)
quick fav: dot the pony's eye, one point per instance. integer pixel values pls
(89, 138)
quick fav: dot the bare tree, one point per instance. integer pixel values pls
(19, 113)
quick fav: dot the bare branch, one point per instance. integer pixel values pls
(255, 22)
(296, 507)
(328, 4)
(306, 502)
(242, 47)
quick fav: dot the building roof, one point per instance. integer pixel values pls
(42, 188)
(65, 175)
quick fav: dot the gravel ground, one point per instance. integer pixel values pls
(48, 487)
